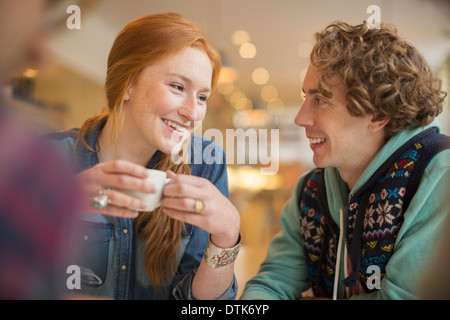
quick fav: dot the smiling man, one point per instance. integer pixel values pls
(337, 138)
(364, 223)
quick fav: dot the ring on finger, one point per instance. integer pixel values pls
(100, 200)
(199, 206)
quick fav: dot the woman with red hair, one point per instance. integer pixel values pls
(161, 72)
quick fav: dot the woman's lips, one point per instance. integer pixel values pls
(175, 126)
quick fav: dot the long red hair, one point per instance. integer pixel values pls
(142, 42)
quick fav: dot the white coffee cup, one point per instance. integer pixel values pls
(152, 200)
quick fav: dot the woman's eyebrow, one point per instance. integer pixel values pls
(188, 80)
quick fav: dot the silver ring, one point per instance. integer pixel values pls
(199, 206)
(100, 200)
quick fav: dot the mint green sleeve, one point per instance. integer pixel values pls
(282, 275)
(417, 240)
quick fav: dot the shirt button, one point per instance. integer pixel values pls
(85, 237)
(125, 231)
(123, 267)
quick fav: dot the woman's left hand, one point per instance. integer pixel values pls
(219, 217)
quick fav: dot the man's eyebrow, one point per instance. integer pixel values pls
(311, 91)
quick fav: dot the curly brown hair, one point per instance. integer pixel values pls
(384, 75)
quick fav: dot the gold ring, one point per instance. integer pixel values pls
(199, 206)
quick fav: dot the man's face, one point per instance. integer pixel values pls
(337, 138)
(21, 35)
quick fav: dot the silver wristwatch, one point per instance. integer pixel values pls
(217, 258)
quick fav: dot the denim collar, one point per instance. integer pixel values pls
(88, 158)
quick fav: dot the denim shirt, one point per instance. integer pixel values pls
(112, 264)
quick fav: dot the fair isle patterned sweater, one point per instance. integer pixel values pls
(372, 218)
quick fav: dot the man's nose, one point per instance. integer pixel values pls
(303, 117)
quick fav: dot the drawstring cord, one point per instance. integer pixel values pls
(338, 257)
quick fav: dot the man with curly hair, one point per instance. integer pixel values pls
(364, 223)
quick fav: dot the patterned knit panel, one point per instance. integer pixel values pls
(319, 242)
(383, 214)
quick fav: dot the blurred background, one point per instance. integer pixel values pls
(265, 46)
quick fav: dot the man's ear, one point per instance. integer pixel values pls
(376, 123)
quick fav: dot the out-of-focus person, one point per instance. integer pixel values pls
(436, 280)
(38, 197)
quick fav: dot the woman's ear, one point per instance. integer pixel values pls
(128, 93)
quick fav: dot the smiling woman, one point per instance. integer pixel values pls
(166, 101)
(161, 71)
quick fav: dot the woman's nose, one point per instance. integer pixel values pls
(189, 109)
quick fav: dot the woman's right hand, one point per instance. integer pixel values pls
(108, 176)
